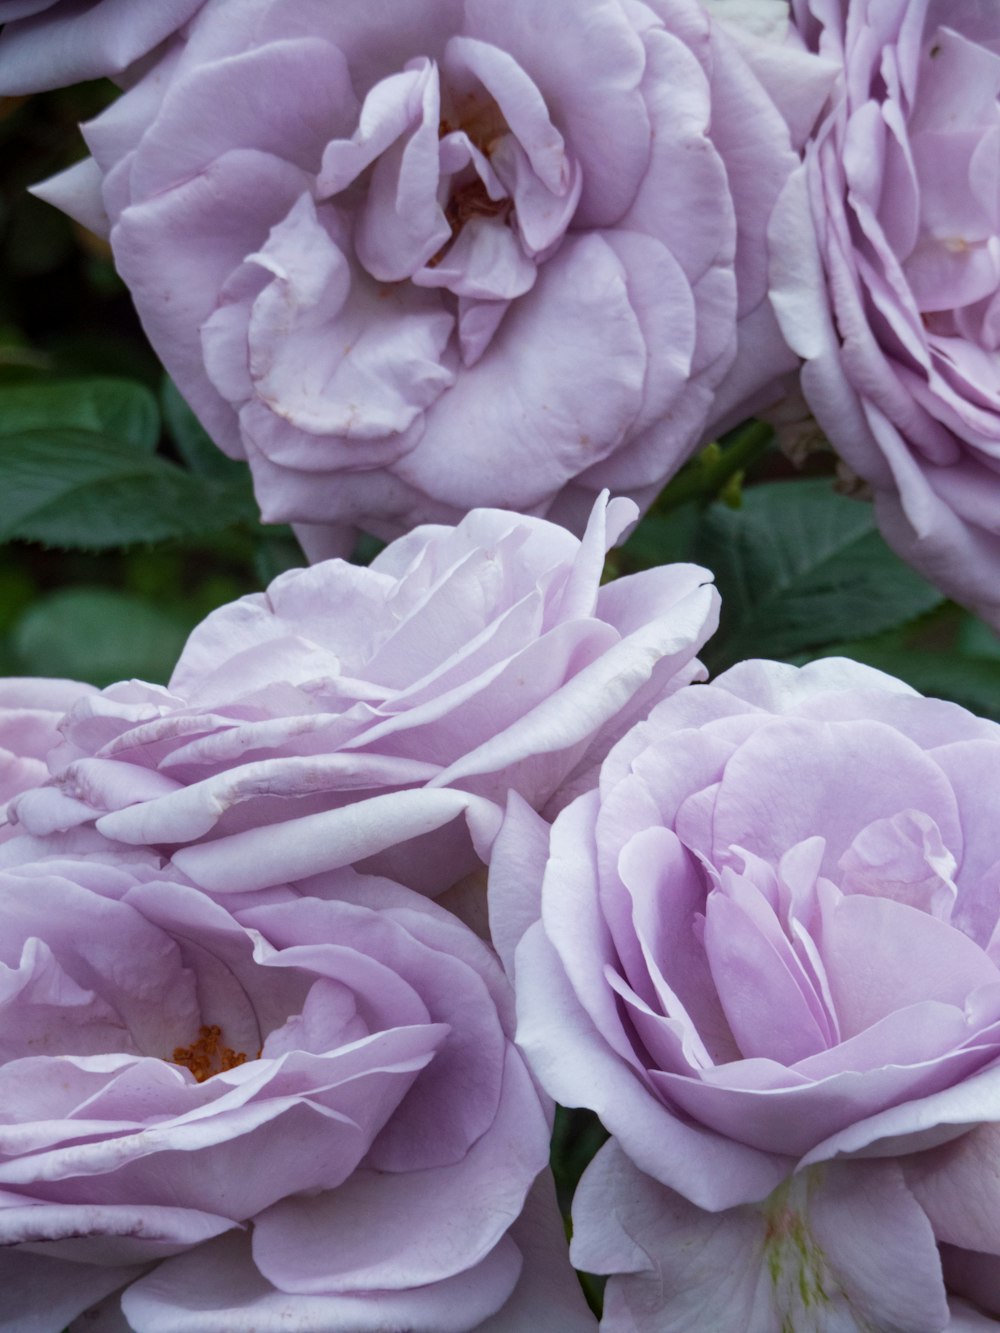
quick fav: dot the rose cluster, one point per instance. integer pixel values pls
(460, 255)
(250, 1079)
(299, 951)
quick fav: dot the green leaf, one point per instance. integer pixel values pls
(275, 551)
(10, 663)
(193, 442)
(662, 539)
(17, 589)
(78, 489)
(366, 548)
(800, 567)
(975, 639)
(118, 410)
(102, 352)
(98, 635)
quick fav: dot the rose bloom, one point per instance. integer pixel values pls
(899, 319)
(769, 939)
(30, 709)
(445, 253)
(49, 43)
(350, 710)
(307, 1113)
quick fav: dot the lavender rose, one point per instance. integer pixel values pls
(49, 43)
(307, 1113)
(349, 710)
(899, 320)
(30, 709)
(769, 940)
(450, 253)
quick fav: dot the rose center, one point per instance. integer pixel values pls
(469, 201)
(469, 198)
(207, 1055)
(481, 119)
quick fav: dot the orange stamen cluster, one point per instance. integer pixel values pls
(207, 1055)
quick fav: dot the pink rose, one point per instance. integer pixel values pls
(899, 315)
(49, 43)
(450, 253)
(769, 939)
(353, 711)
(308, 1113)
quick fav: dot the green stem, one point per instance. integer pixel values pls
(705, 476)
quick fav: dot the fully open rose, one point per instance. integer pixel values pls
(350, 710)
(899, 317)
(443, 253)
(307, 1114)
(767, 940)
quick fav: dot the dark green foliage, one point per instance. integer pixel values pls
(78, 469)
(798, 566)
(99, 635)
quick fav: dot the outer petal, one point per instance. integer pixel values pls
(834, 1253)
(576, 1067)
(216, 1288)
(183, 293)
(391, 1230)
(49, 49)
(517, 865)
(548, 1294)
(69, 1288)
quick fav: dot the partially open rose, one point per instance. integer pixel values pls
(446, 253)
(899, 317)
